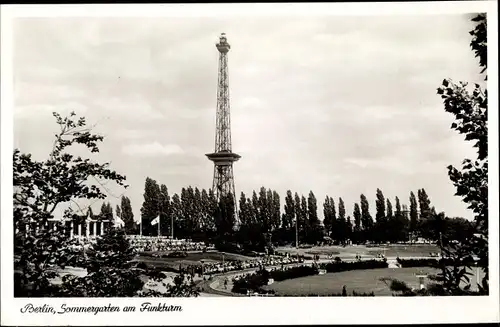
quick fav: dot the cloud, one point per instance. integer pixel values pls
(46, 110)
(152, 149)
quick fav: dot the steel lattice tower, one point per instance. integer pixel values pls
(223, 157)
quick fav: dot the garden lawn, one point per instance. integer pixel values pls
(361, 281)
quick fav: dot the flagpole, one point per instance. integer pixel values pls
(159, 214)
(296, 232)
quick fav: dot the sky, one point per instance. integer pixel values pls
(334, 104)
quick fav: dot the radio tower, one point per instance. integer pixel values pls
(223, 156)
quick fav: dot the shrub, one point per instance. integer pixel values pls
(408, 263)
(356, 265)
(354, 293)
(251, 282)
(177, 254)
(142, 265)
(293, 272)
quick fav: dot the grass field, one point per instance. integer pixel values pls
(362, 250)
(361, 281)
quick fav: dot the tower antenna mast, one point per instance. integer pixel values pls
(223, 156)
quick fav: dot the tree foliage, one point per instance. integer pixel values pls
(470, 108)
(127, 215)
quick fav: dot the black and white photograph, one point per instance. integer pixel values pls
(249, 156)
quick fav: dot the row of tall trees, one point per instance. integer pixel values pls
(193, 213)
(198, 215)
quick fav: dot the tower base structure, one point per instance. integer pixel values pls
(223, 183)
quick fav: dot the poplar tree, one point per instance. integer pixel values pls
(381, 220)
(342, 223)
(366, 218)
(117, 210)
(289, 214)
(413, 215)
(315, 232)
(150, 206)
(127, 215)
(327, 216)
(304, 218)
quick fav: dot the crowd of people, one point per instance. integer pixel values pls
(227, 266)
(165, 243)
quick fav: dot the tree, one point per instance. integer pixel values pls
(471, 180)
(312, 208)
(389, 209)
(189, 212)
(380, 205)
(246, 222)
(289, 214)
(357, 223)
(330, 218)
(381, 219)
(176, 212)
(243, 213)
(263, 210)
(255, 209)
(341, 225)
(413, 215)
(106, 212)
(165, 211)
(366, 218)
(118, 211)
(304, 218)
(348, 233)
(424, 204)
(401, 223)
(212, 208)
(276, 211)
(334, 215)
(327, 216)
(391, 222)
(41, 187)
(298, 215)
(150, 207)
(127, 215)
(207, 221)
(315, 233)
(224, 217)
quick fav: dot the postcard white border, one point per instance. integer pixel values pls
(250, 311)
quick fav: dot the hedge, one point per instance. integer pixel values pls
(429, 262)
(340, 266)
(293, 272)
(354, 293)
(251, 282)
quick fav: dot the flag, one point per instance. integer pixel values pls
(119, 222)
(155, 221)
